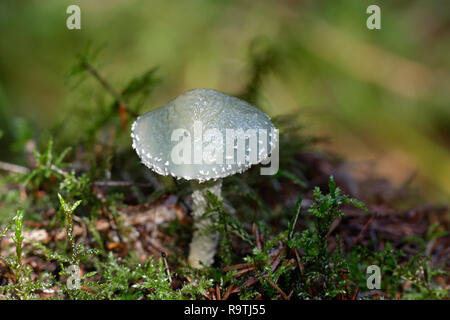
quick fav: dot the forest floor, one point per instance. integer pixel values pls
(271, 248)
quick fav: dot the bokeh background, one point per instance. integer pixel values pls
(380, 97)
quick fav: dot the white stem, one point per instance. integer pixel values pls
(203, 245)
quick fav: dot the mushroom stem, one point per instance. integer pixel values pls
(203, 245)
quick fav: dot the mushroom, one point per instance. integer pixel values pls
(203, 135)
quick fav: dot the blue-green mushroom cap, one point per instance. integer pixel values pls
(199, 135)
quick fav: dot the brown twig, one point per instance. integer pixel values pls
(121, 184)
(277, 259)
(290, 294)
(229, 291)
(166, 265)
(121, 103)
(237, 266)
(218, 292)
(355, 294)
(243, 271)
(276, 287)
(251, 281)
(256, 235)
(89, 68)
(333, 226)
(13, 168)
(60, 171)
(358, 237)
(300, 264)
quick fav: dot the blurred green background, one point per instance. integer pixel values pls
(381, 96)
